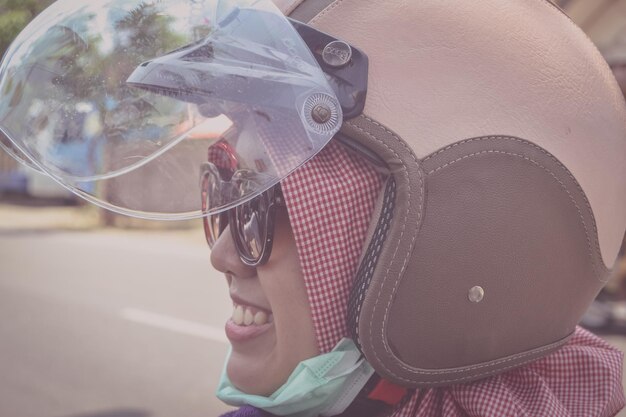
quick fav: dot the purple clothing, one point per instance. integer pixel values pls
(247, 411)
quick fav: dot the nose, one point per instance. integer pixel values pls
(225, 257)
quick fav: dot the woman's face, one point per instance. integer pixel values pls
(271, 330)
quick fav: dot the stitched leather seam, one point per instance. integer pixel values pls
(580, 215)
(479, 139)
(596, 244)
(363, 281)
(395, 287)
(514, 357)
(325, 11)
(395, 253)
(483, 374)
(399, 240)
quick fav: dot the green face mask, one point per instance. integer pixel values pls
(321, 386)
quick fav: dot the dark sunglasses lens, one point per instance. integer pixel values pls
(214, 225)
(251, 218)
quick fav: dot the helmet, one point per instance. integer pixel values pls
(505, 135)
(497, 132)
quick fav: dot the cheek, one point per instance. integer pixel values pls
(282, 276)
(283, 281)
(294, 330)
(286, 292)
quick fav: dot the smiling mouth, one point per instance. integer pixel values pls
(250, 316)
(247, 323)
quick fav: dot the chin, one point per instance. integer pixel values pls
(254, 376)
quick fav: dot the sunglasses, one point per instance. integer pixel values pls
(251, 223)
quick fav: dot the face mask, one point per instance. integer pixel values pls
(321, 386)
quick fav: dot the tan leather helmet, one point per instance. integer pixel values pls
(505, 134)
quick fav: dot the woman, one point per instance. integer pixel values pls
(426, 251)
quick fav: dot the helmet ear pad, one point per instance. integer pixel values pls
(484, 258)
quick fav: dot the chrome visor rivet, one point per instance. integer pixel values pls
(321, 113)
(337, 54)
(476, 294)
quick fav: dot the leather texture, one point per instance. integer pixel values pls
(497, 212)
(307, 10)
(287, 6)
(445, 70)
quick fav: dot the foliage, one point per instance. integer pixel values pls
(15, 15)
(83, 69)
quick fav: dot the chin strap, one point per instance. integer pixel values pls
(378, 398)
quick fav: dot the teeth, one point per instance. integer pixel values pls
(248, 318)
(260, 318)
(238, 315)
(243, 316)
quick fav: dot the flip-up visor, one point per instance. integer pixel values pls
(123, 101)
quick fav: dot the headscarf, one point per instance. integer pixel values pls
(330, 201)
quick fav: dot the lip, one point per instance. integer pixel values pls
(240, 301)
(240, 334)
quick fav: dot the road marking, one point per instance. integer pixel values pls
(175, 325)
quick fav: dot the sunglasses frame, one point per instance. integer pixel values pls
(273, 198)
(270, 199)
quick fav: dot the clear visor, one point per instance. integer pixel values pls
(124, 102)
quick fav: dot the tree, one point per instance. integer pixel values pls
(15, 15)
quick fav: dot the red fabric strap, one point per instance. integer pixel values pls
(387, 392)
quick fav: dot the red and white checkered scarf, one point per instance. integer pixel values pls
(330, 202)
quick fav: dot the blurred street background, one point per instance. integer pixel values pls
(106, 321)
(104, 316)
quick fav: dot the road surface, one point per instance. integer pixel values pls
(109, 324)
